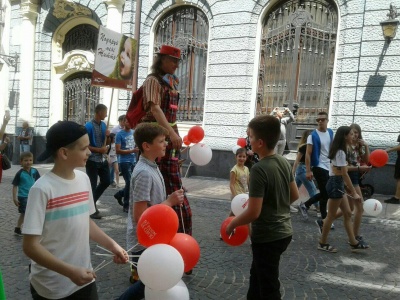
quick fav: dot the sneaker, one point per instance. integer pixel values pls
(333, 226)
(293, 209)
(113, 184)
(17, 231)
(303, 209)
(119, 198)
(96, 216)
(320, 224)
(359, 238)
(392, 200)
(361, 245)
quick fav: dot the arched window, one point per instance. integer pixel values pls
(82, 37)
(186, 27)
(296, 60)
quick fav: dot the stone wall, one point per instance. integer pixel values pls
(367, 78)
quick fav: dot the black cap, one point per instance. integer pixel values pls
(60, 135)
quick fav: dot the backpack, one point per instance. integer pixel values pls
(135, 110)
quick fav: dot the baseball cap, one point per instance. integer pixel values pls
(171, 51)
(60, 135)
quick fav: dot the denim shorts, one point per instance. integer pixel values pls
(354, 177)
(22, 204)
(334, 186)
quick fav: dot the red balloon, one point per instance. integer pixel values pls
(238, 237)
(241, 142)
(186, 140)
(195, 134)
(157, 225)
(378, 158)
(189, 249)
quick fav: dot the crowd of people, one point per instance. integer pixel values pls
(328, 164)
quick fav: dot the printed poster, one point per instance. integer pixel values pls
(114, 60)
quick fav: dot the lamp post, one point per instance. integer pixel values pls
(389, 27)
(11, 61)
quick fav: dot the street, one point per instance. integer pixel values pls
(223, 271)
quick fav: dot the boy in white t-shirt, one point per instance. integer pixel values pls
(57, 224)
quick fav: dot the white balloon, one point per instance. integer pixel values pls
(160, 267)
(239, 204)
(235, 148)
(372, 207)
(178, 292)
(200, 154)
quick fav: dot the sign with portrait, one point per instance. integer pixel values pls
(114, 61)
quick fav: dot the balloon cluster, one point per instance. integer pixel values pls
(241, 143)
(238, 206)
(200, 154)
(168, 255)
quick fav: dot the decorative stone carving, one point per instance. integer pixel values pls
(79, 63)
(29, 10)
(65, 8)
(75, 61)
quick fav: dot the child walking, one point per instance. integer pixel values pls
(272, 189)
(58, 226)
(357, 157)
(113, 164)
(239, 175)
(338, 177)
(147, 188)
(22, 183)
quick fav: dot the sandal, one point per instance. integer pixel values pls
(361, 245)
(327, 248)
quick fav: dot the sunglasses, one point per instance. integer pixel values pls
(321, 120)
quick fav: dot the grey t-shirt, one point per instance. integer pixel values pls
(147, 184)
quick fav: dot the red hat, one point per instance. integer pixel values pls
(171, 51)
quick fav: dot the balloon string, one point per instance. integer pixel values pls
(180, 207)
(132, 247)
(346, 194)
(183, 225)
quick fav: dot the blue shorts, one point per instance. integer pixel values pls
(334, 186)
(354, 177)
(22, 204)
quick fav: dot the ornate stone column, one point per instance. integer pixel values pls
(29, 15)
(114, 22)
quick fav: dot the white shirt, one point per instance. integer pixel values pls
(338, 161)
(325, 139)
(58, 211)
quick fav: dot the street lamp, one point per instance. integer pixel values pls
(389, 27)
(11, 61)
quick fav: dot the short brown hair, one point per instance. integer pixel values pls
(146, 133)
(25, 155)
(267, 128)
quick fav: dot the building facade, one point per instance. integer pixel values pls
(240, 58)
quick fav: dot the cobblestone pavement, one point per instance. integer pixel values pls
(223, 271)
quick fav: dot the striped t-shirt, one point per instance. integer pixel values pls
(58, 210)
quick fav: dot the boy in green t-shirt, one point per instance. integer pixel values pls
(271, 191)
